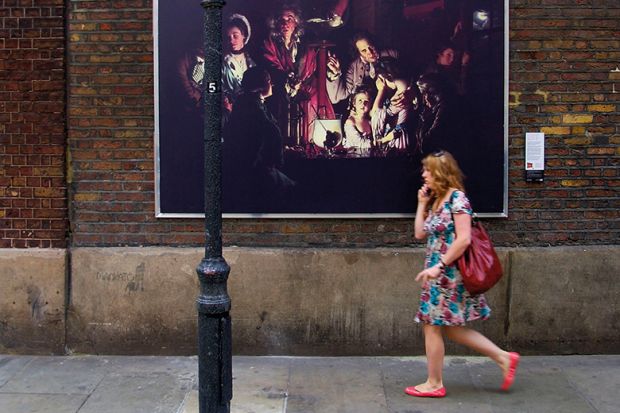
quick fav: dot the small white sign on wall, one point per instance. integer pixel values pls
(534, 156)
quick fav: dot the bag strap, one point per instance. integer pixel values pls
(474, 216)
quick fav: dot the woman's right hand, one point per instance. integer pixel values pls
(424, 194)
(421, 214)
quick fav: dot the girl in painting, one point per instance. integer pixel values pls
(357, 127)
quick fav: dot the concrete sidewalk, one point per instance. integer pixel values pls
(116, 384)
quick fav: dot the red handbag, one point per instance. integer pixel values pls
(479, 264)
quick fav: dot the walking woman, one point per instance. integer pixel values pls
(443, 217)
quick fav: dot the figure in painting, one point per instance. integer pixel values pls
(440, 123)
(238, 32)
(357, 128)
(292, 64)
(253, 155)
(390, 110)
(361, 71)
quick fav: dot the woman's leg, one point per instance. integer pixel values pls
(433, 342)
(478, 342)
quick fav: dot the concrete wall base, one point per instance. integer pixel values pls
(326, 302)
(32, 300)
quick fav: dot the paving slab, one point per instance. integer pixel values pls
(184, 367)
(58, 375)
(398, 373)
(259, 386)
(10, 366)
(538, 383)
(145, 393)
(335, 385)
(595, 378)
(41, 403)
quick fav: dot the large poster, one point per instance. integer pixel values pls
(330, 105)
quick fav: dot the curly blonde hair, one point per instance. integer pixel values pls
(445, 172)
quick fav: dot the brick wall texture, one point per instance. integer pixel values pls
(564, 81)
(33, 206)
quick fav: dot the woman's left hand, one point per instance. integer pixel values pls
(380, 83)
(428, 273)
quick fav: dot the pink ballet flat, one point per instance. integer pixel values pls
(512, 370)
(412, 391)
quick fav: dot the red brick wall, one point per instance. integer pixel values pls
(33, 206)
(563, 81)
(564, 57)
(111, 123)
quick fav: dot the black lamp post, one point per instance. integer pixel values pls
(213, 303)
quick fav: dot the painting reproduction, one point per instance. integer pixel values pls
(329, 106)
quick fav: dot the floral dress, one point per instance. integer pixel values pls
(444, 301)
